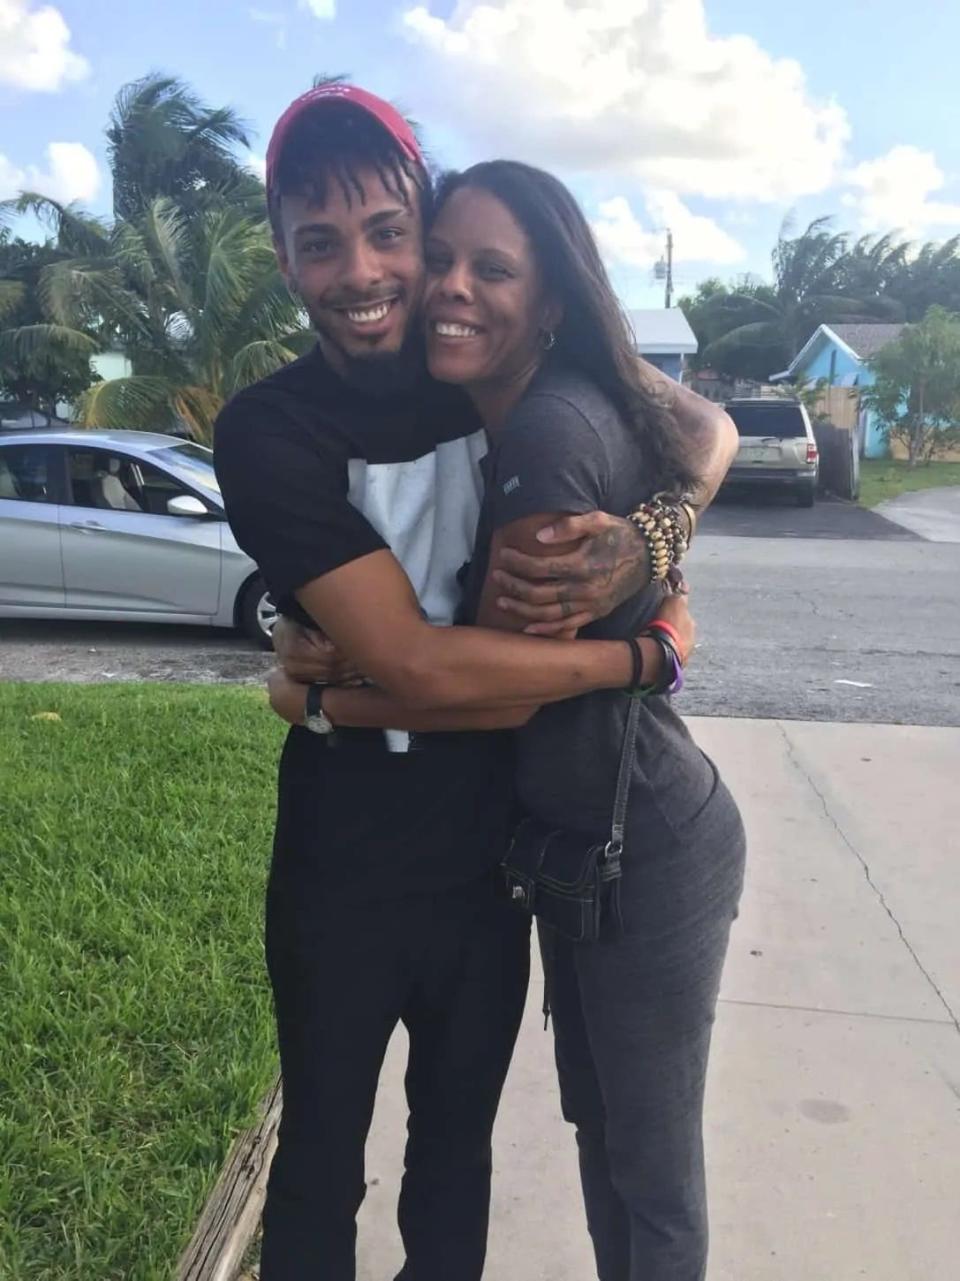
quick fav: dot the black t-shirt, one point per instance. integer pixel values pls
(316, 473)
(565, 448)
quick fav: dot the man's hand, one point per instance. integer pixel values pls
(288, 698)
(555, 594)
(306, 656)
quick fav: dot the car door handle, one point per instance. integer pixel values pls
(86, 526)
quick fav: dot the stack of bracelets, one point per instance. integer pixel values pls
(671, 679)
(661, 522)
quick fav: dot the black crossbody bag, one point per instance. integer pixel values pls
(566, 879)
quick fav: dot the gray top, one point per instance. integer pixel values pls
(565, 448)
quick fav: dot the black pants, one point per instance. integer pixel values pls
(453, 968)
(632, 1022)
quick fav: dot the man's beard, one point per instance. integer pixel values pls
(377, 373)
(384, 373)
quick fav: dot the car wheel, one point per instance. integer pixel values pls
(806, 496)
(258, 613)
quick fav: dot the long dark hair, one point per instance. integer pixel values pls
(594, 335)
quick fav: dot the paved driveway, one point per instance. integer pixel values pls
(762, 516)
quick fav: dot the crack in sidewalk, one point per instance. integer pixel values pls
(878, 893)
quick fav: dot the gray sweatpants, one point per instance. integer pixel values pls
(632, 1017)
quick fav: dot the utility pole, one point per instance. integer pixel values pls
(669, 289)
(664, 270)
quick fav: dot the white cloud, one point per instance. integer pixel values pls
(623, 238)
(258, 164)
(893, 192)
(35, 48)
(71, 173)
(636, 87)
(325, 9)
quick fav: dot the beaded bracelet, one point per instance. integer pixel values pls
(660, 524)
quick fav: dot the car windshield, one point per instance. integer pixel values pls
(193, 462)
(785, 422)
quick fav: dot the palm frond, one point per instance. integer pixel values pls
(197, 407)
(77, 232)
(87, 293)
(44, 342)
(11, 296)
(233, 259)
(255, 361)
(269, 309)
(167, 235)
(131, 253)
(139, 402)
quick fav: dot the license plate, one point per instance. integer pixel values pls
(760, 454)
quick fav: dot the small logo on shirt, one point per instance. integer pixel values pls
(512, 484)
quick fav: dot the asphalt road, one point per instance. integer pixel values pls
(832, 614)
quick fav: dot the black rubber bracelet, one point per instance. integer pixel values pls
(636, 655)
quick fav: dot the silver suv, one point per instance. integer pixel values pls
(777, 446)
(121, 525)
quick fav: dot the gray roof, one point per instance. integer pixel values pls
(662, 331)
(866, 339)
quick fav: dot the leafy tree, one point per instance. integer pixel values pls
(927, 277)
(184, 280)
(715, 310)
(39, 365)
(916, 392)
(764, 327)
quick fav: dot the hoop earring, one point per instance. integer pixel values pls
(549, 339)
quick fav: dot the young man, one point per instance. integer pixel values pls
(353, 481)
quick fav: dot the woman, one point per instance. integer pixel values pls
(520, 314)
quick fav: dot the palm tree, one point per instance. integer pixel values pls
(184, 281)
(197, 304)
(926, 277)
(164, 141)
(764, 327)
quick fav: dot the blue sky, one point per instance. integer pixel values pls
(715, 117)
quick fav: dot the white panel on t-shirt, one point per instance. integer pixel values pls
(426, 510)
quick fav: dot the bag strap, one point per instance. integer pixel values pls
(624, 778)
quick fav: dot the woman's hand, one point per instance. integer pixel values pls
(288, 698)
(675, 611)
(307, 656)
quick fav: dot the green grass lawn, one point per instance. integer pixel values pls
(137, 1031)
(882, 478)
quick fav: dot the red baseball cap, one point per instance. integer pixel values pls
(385, 115)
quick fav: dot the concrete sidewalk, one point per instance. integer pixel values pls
(934, 514)
(833, 1123)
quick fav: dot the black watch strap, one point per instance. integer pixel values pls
(314, 705)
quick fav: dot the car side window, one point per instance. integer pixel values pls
(25, 474)
(120, 482)
(157, 487)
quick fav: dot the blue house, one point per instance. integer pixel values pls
(663, 336)
(838, 353)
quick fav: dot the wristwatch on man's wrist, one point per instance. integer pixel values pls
(315, 718)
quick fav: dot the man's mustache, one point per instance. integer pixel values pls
(352, 300)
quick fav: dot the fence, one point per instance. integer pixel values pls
(839, 405)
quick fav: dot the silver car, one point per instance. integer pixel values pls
(121, 525)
